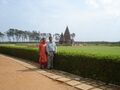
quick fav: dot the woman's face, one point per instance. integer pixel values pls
(43, 40)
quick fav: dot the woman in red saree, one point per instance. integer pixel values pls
(42, 53)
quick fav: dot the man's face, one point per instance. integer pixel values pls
(50, 38)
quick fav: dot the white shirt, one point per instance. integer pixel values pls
(51, 47)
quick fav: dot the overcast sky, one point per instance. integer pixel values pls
(90, 20)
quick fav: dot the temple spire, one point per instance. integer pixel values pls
(67, 38)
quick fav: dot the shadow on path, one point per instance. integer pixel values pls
(29, 69)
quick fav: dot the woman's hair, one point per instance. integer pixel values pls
(42, 39)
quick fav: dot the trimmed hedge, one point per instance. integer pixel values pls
(89, 67)
(20, 52)
(104, 68)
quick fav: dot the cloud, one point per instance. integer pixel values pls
(92, 3)
(106, 7)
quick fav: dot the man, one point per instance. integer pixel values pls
(51, 50)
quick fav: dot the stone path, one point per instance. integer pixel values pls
(21, 75)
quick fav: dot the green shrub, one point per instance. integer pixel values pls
(21, 52)
(104, 68)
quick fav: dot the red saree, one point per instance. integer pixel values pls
(42, 54)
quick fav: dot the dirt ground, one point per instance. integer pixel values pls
(14, 76)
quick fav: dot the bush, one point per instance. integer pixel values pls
(103, 69)
(21, 52)
(106, 69)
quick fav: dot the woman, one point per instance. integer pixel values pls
(42, 53)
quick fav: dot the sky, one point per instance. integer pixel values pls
(90, 20)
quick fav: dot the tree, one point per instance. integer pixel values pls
(61, 41)
(34, 36)
(72, 38)
(21, 35)
(25, 35)
(72, 35)
(1, 36)
(10, 34)
(18, 34)
(56, 36)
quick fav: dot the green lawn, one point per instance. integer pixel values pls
(100, 51)
(94, 51)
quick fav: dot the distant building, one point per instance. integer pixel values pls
(66, 38)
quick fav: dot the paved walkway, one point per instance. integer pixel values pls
(16, 74)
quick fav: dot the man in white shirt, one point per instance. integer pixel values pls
(51, 50)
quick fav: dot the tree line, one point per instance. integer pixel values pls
(17, 35)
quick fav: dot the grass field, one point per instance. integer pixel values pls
(99, 51)
(94, 51)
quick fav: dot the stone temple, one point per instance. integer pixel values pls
(65, 38)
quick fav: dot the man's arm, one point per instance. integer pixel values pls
(55, 47)
(47, 49)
